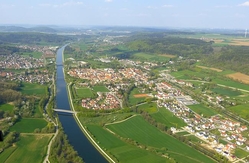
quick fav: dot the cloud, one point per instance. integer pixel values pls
(244, 4)
(108, 1)
(167, 6)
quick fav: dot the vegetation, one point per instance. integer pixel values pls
(29, 125)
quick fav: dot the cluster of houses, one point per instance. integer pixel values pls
(104, 101)
(46, 50)
(15, 61)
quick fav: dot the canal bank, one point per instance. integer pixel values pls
(76, 137)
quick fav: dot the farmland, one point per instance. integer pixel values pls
(201, 109)
(139, 130)
(30, 148)
(239, 77)
(135, 100)
(100, 88)
(121, 150)
(28, 125)
(226, 92)
(241, 110)
(168, 118)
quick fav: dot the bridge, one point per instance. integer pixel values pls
(65, 111)
(59, 64)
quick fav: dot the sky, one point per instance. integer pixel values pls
(229, 14)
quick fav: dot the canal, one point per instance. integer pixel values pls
(75, 135)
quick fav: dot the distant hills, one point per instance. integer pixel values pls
(23, 29)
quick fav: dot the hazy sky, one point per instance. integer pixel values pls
(157, 13)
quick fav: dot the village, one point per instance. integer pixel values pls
(210, 130)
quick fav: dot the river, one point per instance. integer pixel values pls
(75, 135)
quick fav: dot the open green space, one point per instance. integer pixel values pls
(33, 54)
(241, 110)
(6, 153)
(100, 88)
(150, 57)
(135, 100)
(138, 129)
(123, 151)
(28, 125)
(240, 153)
(148, 107)
(84, 92)
(226, 92)
(202, 110)
(30, 148)
(6, 107)
(168, 118)
(33, 89)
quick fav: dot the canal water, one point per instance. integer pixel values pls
(75, 135)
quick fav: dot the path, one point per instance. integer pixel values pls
(121, 120)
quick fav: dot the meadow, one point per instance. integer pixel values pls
(6, 107)
(121, 150)
(28, 125)
(148, 107)
(226, 92)
(30, 148)
(241, 110)
(135, 100)
(151, 57)
(100, 88)
(202, 110)
(138, 129)
(168, 118)
(84, 92)
(36, 55)
(33, 89)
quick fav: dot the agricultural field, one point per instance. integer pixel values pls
(210, 68)
(6, 107)
(202, 110)
(226, 92)
(138, 129)
(168, 118)
(152, 57)
(240, 153)
(33, 89)
(30, 148)
(241, 110)
(6, 153)
(239, 77)
(123, 151)
(84, 92)
(28, 125)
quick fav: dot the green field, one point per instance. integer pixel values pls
(240, 153)
(133, 100)
(28, 125)
(30, 148)
(84, 92)
(148, 107)
(226, 92)
(33, 89)
(150, 57)
(138, 129)
(168, 118)
(201, 109)
(33, 54)
(6, 153)
(6, 107)
(123, 151)
(100, 88)
(241, 110)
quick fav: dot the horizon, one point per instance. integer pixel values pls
(204, 14)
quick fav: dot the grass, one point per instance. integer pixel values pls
(241, 110)
(151, 57)
(33, 89)
(240, 153)
(6, 107)
(226, 92)
(123, 151)
(84, 92)
(133, 100)
(138, 129)
(7, 153)
(148, 107)
(30, 148)
(36, 55)
(168, 118)
(100, 88)
(28, 125)
(201, 109)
